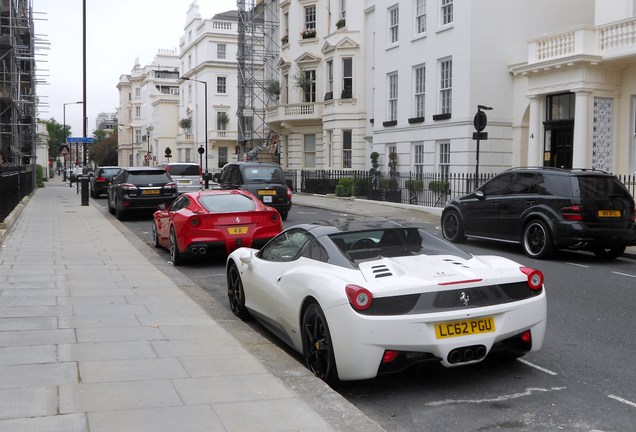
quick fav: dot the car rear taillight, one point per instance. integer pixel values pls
(571, 213)
(128, 186)
(359, 298)
(526, 336)
(171, 185)
(289, 193)
(100, 179)
(195, 222)
(389, 356)
(535, 277)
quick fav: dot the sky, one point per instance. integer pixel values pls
(117, 33)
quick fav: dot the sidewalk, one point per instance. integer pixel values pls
(94, 337)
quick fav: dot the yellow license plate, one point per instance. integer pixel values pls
(609, 213)
(151, 192)
(237, 230)
(267, 192)
(184, 181)
(464, 327)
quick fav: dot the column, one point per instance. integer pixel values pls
(535, 147)
(582, 145)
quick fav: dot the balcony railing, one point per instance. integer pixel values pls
(298, 111)
(607, 41)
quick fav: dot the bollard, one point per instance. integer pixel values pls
(84, 180)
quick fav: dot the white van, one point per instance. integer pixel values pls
(187, 176)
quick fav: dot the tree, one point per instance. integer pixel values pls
(103, 151)
(57, 136)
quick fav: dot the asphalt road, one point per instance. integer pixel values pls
(582, 379)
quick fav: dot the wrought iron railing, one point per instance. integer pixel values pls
(15, 184)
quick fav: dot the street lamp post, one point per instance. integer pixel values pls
(66, 133)
(206, 176)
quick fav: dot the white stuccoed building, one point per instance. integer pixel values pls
(208, 52)
(148, 111)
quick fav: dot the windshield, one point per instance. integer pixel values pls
(183, 170)
(224, 203)
(360, 246)
(264, 173)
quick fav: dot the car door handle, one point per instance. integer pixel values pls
(529, 203)
(494, 205)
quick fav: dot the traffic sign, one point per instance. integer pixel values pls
(79, 140)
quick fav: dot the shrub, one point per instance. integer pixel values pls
(345, 187)
(389, 183)
(439, 186)
(416, 185)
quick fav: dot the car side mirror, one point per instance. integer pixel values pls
(247, 260)
(479, 194)
(216, 177)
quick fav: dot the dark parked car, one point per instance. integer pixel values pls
(102, 179)
(545, 209)
(140, 189)
(263, 179)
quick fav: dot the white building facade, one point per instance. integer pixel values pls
(321, 112)
(207, 59)
(148, 111)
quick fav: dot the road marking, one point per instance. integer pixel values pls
(620, 399)
(624, 274)
(532, 365)
(578, 265)
(528, 392)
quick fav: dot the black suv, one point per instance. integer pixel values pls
(102, 179)
(546, 209)
(140, 189)
(264, 180)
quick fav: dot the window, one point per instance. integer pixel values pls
(137, 111)
(137, 92)
(189, 92)
(310, 17)
(343, 9)
(221, 84)
(394, 21)
(188, 155)
(444, 159)
(309, 151)
(329, 143)
(447, 12)
(220, 51)
(420, 90)
(418, 158)
(446, 86)
(286, 23)
(347, 78)
(346, 148)
(420, 16)
(222, 156)
(310, 90)
(221, 120)
(330, 77)
(393, 95)
(137, 136)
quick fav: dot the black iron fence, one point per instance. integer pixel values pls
(15, 184)
(429, 189)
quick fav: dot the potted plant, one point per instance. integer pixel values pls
(272, 88)
(438, 186)
(341, 23)
(374, 192)
(346, 93)
(345, 187)
(185, 123)
(285, 39)
(308, 33)
(223, 118)
(301, 80)
(413, 186)
(391, 191)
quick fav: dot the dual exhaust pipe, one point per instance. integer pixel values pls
(467, 354)
(198, 250)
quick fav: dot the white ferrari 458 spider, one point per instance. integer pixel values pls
(362, 297)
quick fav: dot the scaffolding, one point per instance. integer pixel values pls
(258, 51)
(18, 100)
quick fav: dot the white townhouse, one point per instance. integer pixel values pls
(432, 63)
(208, 62)
(320, 114)
(575, 89)
(148, 111)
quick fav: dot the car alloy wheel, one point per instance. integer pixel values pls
(236, 293)
(452, 227)
(317, 346)
(175, 255)
(536, 240)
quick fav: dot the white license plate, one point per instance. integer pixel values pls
(267, 199)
